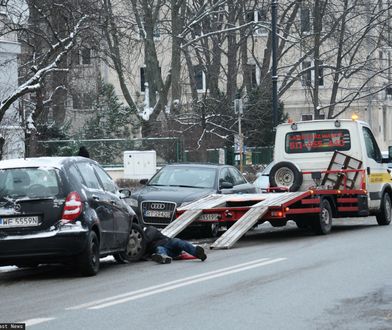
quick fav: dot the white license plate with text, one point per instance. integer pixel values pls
(19, 222)
(157, 214)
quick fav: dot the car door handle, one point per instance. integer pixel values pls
(96, 198)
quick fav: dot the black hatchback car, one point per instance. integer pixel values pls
(61, 209)
(176, 184)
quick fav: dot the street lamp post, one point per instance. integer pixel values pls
(274, 76)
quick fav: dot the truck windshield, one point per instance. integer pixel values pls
(317, 141)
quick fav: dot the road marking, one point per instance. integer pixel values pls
(133, 295)
(37, 321)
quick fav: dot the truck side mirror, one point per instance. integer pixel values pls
(390, 152)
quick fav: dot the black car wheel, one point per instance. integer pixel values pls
(88, 260)
(384, 216)
(136, 246)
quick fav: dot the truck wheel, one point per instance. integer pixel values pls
(136, 246)
(322, 222)
(384, 217)
(88, 260)
(285, 174)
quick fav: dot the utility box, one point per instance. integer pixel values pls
(139, 164)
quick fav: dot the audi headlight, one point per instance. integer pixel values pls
(133, 202)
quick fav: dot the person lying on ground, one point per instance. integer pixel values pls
(163, 249)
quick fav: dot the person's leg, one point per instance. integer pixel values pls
(175, 247)
(161, 255)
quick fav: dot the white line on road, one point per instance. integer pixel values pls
(133, 295)
(31, 322)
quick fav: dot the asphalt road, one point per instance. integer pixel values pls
(272, 279)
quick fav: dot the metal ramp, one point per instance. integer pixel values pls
(192, 212)
(183, 221)
(250, 218)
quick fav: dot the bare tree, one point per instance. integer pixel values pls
(48, 55)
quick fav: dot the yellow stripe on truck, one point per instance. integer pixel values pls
(382, 177)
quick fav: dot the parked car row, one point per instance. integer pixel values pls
(69, 210)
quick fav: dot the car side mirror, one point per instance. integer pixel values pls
(390, 152)
(125, 193)
(143, 181)
(226, 185)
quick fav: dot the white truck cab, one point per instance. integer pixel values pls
(308, 146)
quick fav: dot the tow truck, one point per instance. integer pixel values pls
(324, 169)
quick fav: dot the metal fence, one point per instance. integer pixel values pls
(109, 152)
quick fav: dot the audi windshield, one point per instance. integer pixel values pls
(194, 177)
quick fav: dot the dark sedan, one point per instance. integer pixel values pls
(64, 209)
(176, 184)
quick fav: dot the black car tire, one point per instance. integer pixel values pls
(286, 175)
(136, 246)
(88, 260)
(384, 216)
(322, 222)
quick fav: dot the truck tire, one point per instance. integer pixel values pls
(286, 175)
(384, 217)
(322, 222)
(136, 246)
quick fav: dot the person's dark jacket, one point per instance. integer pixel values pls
(154, 238)
(83, 152)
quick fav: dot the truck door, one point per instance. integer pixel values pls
(377, 174)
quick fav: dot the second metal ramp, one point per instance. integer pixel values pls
(250, 218)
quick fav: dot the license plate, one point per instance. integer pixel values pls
(19, 222)
(157, 214)
(209, 217)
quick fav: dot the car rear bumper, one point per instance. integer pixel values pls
(50, 246)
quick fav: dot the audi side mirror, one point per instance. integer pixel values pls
(143, 181)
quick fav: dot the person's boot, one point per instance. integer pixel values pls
(200, 254)
(161, 258)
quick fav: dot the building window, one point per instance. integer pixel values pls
(254, 74)
(86, 56)
(305, 20)
(200, 77)
(308, 76)
(81, 57)
(82, 101)
(143, 78)
(259, 17)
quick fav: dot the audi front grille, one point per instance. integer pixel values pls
(157, 212)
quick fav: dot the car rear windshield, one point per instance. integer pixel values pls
(196, 177)
(28, 182)
(317, 141)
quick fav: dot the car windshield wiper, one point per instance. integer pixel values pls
(182, 186)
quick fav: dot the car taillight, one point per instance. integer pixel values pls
(72, 207)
